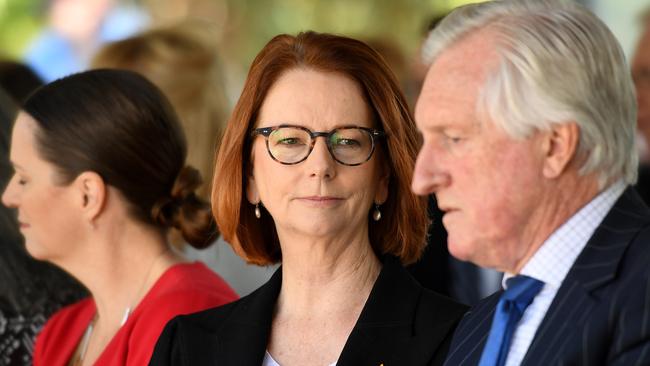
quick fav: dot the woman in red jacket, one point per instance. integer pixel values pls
(99, 178)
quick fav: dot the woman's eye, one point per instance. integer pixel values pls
(289, 141)
(347, 142)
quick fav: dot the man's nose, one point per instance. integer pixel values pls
(428, 177)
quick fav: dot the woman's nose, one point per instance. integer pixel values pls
(9, 196)
(320, 162)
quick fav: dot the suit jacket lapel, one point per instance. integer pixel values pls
(243, 337)
(386, 332)
(596, 266)
(471, 334)
(385, 321)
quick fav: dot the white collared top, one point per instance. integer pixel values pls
(553, 260)
(269, 361)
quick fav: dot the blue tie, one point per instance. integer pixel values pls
(512, 304)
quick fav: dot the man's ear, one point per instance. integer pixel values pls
(560, 146)
(92, 194)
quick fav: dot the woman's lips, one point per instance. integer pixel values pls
(320, 198)
(321, 201)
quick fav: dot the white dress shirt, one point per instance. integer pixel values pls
(553, 260)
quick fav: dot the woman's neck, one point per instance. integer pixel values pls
(326, 275)
(119, 267)
(325, 285)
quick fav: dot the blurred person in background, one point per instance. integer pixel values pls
(336, 211)
(18, 80)
(75, 29)
(100, 176)
(641, 76)
(183, 61)
(30, 290)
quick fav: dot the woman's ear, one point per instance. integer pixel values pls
(382, 188)
(252, 193)
(92, 194)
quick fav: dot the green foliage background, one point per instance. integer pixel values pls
(19, 21)
(251, 23)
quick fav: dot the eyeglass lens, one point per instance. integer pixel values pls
(290, 145)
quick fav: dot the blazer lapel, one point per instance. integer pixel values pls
(472, 332)
(387, 324)
(243, 337)
(596, 266)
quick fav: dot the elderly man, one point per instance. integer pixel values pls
(528, 117)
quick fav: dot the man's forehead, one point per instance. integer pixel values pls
(458, 73)
(469, 59)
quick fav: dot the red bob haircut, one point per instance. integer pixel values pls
(402, 230)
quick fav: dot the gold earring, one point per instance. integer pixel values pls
(258, 212)
(376, 215)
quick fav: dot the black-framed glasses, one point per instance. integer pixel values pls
(348, 145)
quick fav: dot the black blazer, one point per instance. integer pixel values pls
(401, 324)
(601, 313)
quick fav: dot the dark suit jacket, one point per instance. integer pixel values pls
(401, 324)
(601, 313)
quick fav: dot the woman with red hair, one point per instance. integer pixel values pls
(336, 211)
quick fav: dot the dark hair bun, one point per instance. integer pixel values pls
(185, 211)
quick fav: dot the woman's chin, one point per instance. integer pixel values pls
(35, 251)
(317, 227)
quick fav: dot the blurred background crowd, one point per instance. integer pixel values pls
(64, 34)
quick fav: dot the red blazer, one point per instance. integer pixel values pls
(182, 289)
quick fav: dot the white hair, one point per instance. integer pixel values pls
(559, 63)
